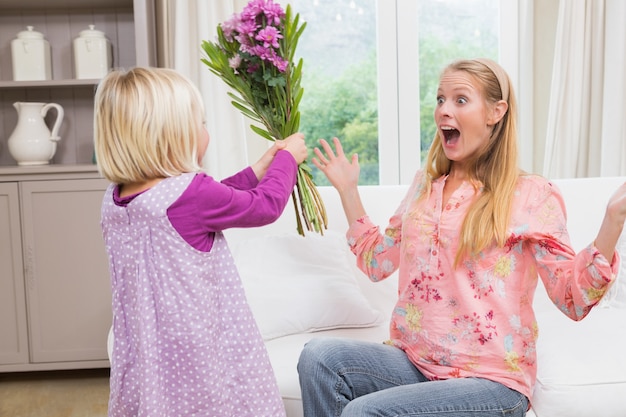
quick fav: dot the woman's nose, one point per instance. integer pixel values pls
(443, 109)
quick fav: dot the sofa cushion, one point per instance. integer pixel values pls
(298, 284)
(581, 365)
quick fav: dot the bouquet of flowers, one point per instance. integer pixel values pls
(254, 55)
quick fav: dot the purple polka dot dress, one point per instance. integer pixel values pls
(186, 343)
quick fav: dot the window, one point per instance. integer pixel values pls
(340, 78)
(371, 69)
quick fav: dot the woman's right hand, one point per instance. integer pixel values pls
(342, 173)
(295, 145)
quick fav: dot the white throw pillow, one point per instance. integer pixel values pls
(298, 284)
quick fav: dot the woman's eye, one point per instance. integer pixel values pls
(439, 100)
(462, 100)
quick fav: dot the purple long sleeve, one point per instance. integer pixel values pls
(209, 206)
(243, 180)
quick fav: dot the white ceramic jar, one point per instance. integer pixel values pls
(92, 54)
(31, 56)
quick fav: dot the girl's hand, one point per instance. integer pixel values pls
(261, 166)
(296, 146)
(341, 173)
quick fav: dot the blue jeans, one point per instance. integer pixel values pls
(351, 378)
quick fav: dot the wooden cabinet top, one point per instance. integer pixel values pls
(48, 172)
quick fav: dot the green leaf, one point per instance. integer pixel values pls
(246, 111)
(261, 132)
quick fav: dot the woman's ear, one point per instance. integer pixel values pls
(497, 112)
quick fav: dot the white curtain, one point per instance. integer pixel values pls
(586, 134)
(182, 25)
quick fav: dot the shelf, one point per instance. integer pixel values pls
(49, 83)
(50, 168)
(48, 172)
(62, 4)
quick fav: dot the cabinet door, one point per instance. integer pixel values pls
(13, 339)
(66, 269)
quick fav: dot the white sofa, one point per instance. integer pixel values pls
(303, 288)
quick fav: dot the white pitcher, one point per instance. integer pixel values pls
(31, 142)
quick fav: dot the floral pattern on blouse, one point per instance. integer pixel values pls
(476, 320)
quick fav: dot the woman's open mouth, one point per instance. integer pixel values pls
(450, 134)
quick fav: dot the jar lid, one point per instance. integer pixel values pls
(30, 34)
(91, 33)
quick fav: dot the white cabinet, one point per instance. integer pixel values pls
(55, 298)
(55, 302)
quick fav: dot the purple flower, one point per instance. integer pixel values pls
(230, 26)
(247, 28)
(276, 60)
(262, 52)
(280, 63)
(269, 35)
(273, 12)
(253, 9)
(245, 43)
(235, 62)
(252, 68)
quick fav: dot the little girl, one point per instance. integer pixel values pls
(186, 343)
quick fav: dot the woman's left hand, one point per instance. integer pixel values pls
(613, 223)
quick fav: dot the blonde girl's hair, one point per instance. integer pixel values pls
(147, 124)
(494, 167)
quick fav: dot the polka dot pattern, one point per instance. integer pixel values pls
(186, 343)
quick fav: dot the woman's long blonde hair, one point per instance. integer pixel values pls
(147, 123)
(494, 167)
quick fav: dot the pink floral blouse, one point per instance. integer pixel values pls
(477, 320)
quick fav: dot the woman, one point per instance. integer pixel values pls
(469, 240)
